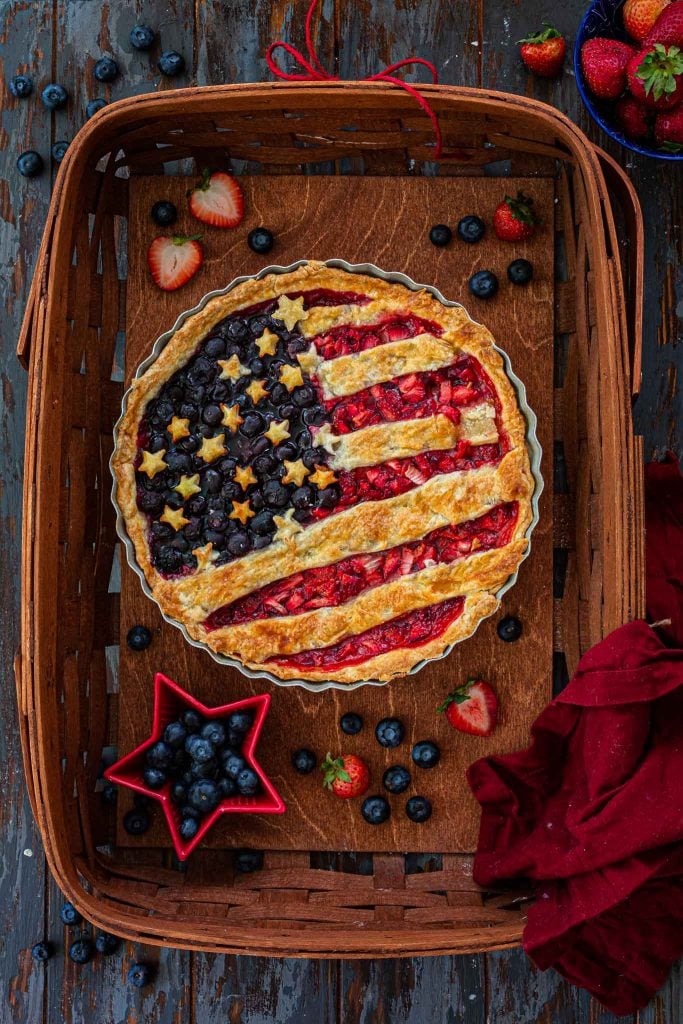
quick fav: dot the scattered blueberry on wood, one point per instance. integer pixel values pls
(418, 809)
(54, 96)
(304, 761)
(171, 63)
(247, 861)
(21, 86)
(440, 235)
(426, 754)
(106, 69)
(483, 284)
(520, 271)
(396, 779)
(260, 240)
(509, 629)
(69, 914)
(109, 794)
(140, 975)
(136, 821)
(42, 951)
(93, 106)
(59, 150)
(138, 638)
(164, 213)
(106, 944)
(471, 229)
(142, 37)
(30, 163)
(81, 951)
(375, 810)
(351, 723)
(390, 732)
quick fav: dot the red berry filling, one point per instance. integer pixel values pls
(410, 630)
(414, 396)
(332, 585)
(347, 338)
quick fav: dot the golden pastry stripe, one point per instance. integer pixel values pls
(347, 374)
(321, 319)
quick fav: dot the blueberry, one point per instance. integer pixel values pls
(233, 764)
(390, 732)
(190, 812)
(164, 213)
(41, 952)
(69, 914)
(278, 392)
(204, 795)
(240, 721)
(247, 861)
(253, 424)
(303, 497)
(141, 37)
(314, 417)
(213, 481)
(21, 86)
(375, 810)
(351, 723)
(471, 229)
(215, 347)
(160, 755)
(440, 234)
(212, 415)
(236, 329)
(171, 63)
(328, 497)
(418, 808)
(94, 106)
(155, 778)
(136, 822)
(260, 240)
(106, 69)
(196, 505)
(520, 271)
(217, 521)
(239, 543)
(81, 951)
(275, 494)
(288, 450)
(175, 734)
(109, 794)
(247, 782)
(304, 396)
(396, 779)
(226, 787)
(304, 761)
(200, 750)
(483, 284)
(138, 638)
(168, 560)
(204, 769)
(30, 163)
(426, 754)
(178, 793)
(59, 150)
(214, 732)
(188, 828)
(139, 975)
(54, 96)
(189, 411)
(106, 944)
(262, 524)
(509, 629)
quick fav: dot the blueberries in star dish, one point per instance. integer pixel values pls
(396, 779)
(81, 951)
(155, 778)
(304, 761)
(141, 37)
(30, 163)
(260, 240)
(440, 235)
(509, 629)
(171, 63)
(69, 914)
(138, 638)
(192, 720)
(54, 96)
(94, 106)
(520, 271)
(59, 150)
(139, 975)
(204, 795)
(106, 69)
(350, 723)
(240, 721)
(426, 754)
(483, 284)
(164, 213)
(247, 782)
(21, 86)
(418, 808)
(41, 952)
(107, 944)
(375, 810)
(188, 828)
(136, 821)
(471, 229)
(390, 732)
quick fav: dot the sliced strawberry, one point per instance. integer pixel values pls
(174, 260)
(472, 708)
(217, 200)
(411, 387)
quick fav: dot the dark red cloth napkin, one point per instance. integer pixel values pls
(592, 812)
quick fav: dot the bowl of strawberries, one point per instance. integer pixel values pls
(628, 60)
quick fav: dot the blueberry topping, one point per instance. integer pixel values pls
(520, 271)
(304, 761)
(192, 720)
(440, 234)
(69, 914)
(390, 732)
(214, 732)
(160, 755)
(233, 764)
(247, 861)
(141, 37)
(54, 96)
(471, 229)
(215, 347)
(81, 951)
(483, 284)
(350, 723)
(188, 828)
(136, 822)
(94, 106)
(59, 150)
(30, 163)
(171, 63)
(375, 810)
(164, 213)
(139, 975)
(21, 86)
(106, 944)
(509, 629)
(396, 779)
(247, 782)
(139, 637)
(426, 754)
(260, 240)
(240, 722)
(106, 69)
(418, 808)
(200, 749)
(41, 952)
(204, 795)
(155, 778)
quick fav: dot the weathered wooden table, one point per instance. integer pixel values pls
(473, 43)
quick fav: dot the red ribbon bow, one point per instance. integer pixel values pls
(315, 72)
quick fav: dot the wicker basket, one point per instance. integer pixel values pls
(300, 904)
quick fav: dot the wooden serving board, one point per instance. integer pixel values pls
(384, 221)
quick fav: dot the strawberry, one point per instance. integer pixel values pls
(640, 16)
(217, 200)
(543, 52)
(514, 219)
(633, 118)
(472, 708)
(655, 76)
(669, 130)
(346, 776)
(603, 62)
(174, 260)
(668, 28)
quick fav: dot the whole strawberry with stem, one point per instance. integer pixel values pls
(347, 776)
(668, 28)
(603, 62)
(655, 77)
(639, 16)
(514, 218)
(669, 130)
(543, 52)
(472, 708)
(633, 118)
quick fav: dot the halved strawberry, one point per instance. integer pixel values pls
(217, 200)
(472, 708)
(174, 260)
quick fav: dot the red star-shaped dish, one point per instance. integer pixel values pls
(170, 701)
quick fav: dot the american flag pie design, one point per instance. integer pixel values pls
(325, 475)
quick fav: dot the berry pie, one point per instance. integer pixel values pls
(325, 475)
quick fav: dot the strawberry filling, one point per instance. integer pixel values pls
(410, 630)
(347, 338)
(413, 396)
(332, 585)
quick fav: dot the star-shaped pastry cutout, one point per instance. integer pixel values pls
(244, 476)
(128, 771)
(291, 376)
(241, 510)
(257, 390)
(232, 368)
(205, 556)
(153, 463)
(267, 343)
(290, 311)
(174, 517)
(231, 417)
(308, 360)
(188, 486)
(212, 448)
(287, 525)
(322, 477)
(296, 472)
(277, 431)
(178, 428)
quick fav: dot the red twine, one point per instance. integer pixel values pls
(315, 72)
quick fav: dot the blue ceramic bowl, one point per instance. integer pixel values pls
(603, 18)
